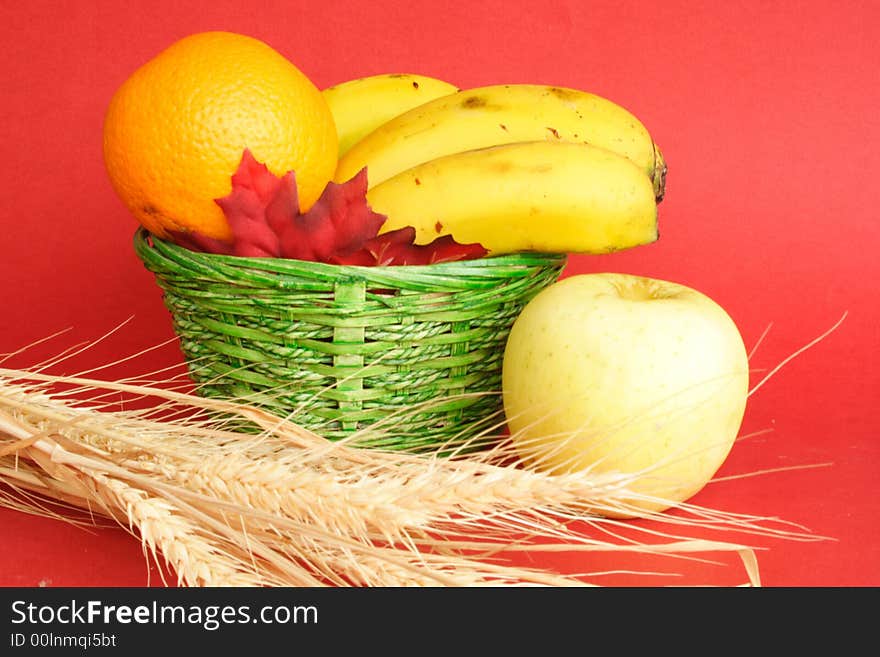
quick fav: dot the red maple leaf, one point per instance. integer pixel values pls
(336, 226)
(259, 205)
(398, 247)
(340, 228)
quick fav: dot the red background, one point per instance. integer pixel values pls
(767, 115)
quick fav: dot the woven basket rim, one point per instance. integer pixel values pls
(145, 244)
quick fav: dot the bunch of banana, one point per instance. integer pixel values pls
(515, 167)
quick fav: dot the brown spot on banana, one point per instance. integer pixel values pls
(474, 102)
(564, 94)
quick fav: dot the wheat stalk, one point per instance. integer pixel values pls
(397, 498)
(267, 472)
(284, 506)
(291, 553)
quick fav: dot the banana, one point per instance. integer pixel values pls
(494, 115)
(548, 196)
(359, 106)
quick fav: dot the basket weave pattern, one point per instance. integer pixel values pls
(341, 348)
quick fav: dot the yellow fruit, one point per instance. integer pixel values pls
(175, 131)
(360, 106)
(500, 114)
(615, 374)
(556, 197)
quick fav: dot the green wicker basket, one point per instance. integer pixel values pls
(415, 350)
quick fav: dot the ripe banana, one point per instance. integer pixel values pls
(548, 196)
(499, 114)
(359, 106)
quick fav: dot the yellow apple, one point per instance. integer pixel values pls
(616, 373)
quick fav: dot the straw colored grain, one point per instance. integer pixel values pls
(399, 497)
(283, 505)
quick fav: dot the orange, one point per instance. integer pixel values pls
(175, 131)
